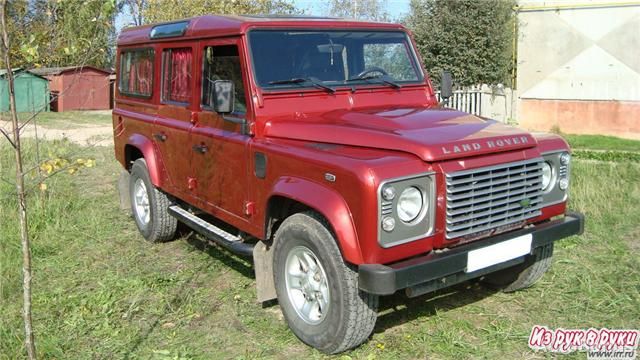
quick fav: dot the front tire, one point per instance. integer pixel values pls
(149, 206)
(317, 291)
(524, 275)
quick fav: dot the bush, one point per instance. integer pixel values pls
(472, 39)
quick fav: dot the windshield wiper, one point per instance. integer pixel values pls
(314, 81)
(385, 79)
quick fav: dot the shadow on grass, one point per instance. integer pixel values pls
(237, 263)
(394, 310)
(398, 309)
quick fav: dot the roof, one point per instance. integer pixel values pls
(229, 25)
(60, 70)
(3, 72)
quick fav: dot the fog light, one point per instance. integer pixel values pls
(388, 224)
(563, 183)
(388, 193)
(565, 158)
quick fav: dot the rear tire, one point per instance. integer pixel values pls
(317, 291)
(523, 275)
(149, 206)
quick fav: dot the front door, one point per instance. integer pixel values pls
(219, 146)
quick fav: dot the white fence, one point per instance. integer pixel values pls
(494, 102)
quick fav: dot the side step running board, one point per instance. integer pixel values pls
(228, 241)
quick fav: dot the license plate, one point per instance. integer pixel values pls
(498, 253)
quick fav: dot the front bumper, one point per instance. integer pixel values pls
(437, 270)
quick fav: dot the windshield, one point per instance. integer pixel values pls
(284, 59)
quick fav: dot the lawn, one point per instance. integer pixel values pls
(602, 142)
(102, 292)
(70, 119)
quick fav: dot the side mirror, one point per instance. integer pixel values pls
(223, 96)
(446, 86)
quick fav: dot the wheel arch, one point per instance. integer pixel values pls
(293, 195)
(139, 146)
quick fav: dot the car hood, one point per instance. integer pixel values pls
(430, 134)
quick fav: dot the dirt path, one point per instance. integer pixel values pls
(82, 134)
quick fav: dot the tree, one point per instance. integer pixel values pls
(166, 10)
(22, 203)
(472, 39)
(135, 9)
(32, 32)
(373, 10)
(60, 33)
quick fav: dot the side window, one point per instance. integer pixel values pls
(136, 72)
(222, 63)
(176, 75)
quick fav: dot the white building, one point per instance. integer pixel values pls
(579, 66)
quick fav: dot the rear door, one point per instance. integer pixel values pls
(176, 114)
(219, 145)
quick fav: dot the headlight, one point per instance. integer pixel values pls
(547, 176)
(556, 185)
(410, 204)
(405, 209)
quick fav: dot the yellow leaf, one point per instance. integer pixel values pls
(47, 167)
(72, 170)
(90, 163)
(43, 187)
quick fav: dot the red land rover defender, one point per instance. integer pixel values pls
(318, 147)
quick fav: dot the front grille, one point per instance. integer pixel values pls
(492, 197)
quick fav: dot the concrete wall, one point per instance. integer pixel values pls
(579, 66)
(499, 103)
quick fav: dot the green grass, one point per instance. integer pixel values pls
(601, 142)
(101, 291)
(70, 119)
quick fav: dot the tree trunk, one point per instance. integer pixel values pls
(22, 204)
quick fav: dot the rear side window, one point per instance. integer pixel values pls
(176, 75)
(136, 72)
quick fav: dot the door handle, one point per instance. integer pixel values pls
(160, 137)
(202, 148)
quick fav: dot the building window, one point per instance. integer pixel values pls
(176, 75)
(136, 72)
(222, 63)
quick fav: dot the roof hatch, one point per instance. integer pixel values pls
(169, 30)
